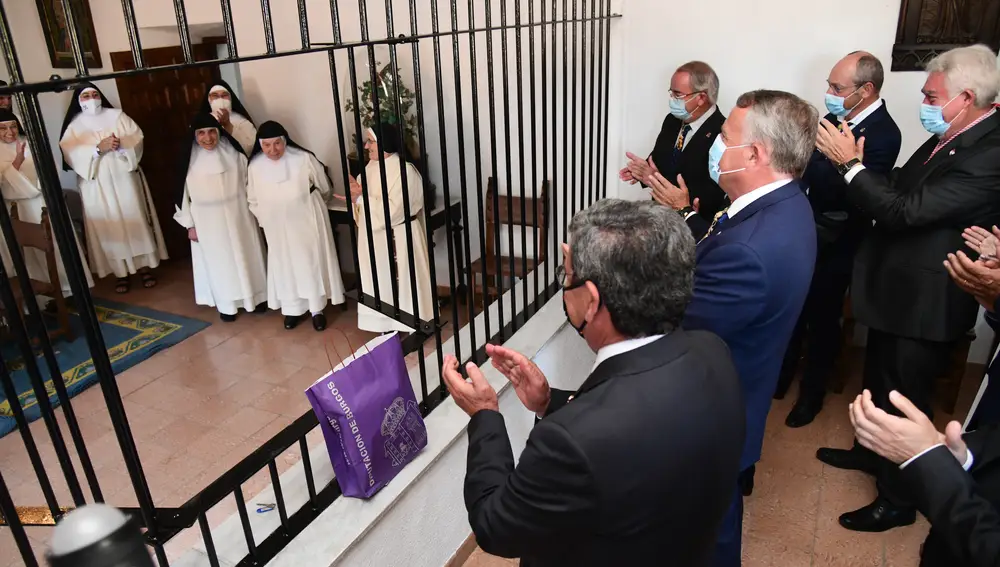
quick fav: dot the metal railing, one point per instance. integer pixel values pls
(581, 181)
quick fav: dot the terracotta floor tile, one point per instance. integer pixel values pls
(772, 552)
(179, 434)
(276, 372)
(247, 421)
(784, 506)
(902, 546)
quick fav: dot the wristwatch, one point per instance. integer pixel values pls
(688, 209)
(844, 168)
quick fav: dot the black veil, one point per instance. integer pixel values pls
(237, 105)
(74, 109)
(200, 120)
(272, 129)
(9, 116)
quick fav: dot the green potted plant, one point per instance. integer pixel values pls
(388, 85)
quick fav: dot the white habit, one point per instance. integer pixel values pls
(20, 188)
(123, 234)
(244, 131)
(288, 196)
(369, 319)
(228, 258)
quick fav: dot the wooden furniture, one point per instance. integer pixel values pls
(507, 211)
(39, 237)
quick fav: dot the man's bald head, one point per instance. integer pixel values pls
(867, 69)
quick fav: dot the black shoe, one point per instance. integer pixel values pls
(878, 516)
(803, 413)
(227, 318)
(262, 308)
(319, 321)
(292, 321)
(745, 481)
(854, 459)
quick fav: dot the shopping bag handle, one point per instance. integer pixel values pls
(346, 338)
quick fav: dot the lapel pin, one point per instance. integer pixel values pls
(861, 131)
(708, 134)
(570, 399)
(952, 152)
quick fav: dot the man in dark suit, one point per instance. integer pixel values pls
(681, 150)
(954, 478)
(900, 289)
(614, 473)
(853, 100)
(754, 266)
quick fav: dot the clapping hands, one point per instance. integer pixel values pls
(530, 384)
(980, 278)
(637, 169)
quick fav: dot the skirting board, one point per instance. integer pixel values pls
(463, 553)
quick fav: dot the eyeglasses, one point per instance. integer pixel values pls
(563, 277)
(678, 94)
(838, 89)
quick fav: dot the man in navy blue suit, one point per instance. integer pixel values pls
(754, 266)
(854, 102)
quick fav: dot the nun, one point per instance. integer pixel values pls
(104, 146)
(222, 103)
(287, 190)
(6, 103)
(20, 188)
(393, 157)
(227, 254)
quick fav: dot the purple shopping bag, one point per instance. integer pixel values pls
(369, 417)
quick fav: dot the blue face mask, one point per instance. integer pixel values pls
(835, 105)
(932, 118)
(715, 158)
(678, 107)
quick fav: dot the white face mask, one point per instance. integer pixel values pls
(92, 106)
(221, 104)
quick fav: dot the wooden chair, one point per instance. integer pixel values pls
(39, 237)
(534, 220)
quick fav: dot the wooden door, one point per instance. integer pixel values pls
(162, 103)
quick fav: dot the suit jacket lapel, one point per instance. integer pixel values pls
(787, 190)
(705, 135)
(951, 152)
(656, 353)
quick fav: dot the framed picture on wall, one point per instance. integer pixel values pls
(57, 37)
(927, 28)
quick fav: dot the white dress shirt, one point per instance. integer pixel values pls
(614, 349)
(966, 465)
(864, 114)
(694, 127)
(743, 201)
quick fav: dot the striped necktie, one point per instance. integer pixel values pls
(679, 146)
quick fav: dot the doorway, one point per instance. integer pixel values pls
(162, 104)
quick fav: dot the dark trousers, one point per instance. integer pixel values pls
(728, 545)
(908, 366)
(819, 324)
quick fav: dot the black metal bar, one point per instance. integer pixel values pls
(132, 27)
(463, 182)
(265, 12)
(17, 326)
(27, 438)
(73, 30)
(534, 147)
(443, 132)
(477, 150)
(386, 213)
(227, 23)
(182, 30)
(279, 497)
(565, 122)
(245, 521)
(304, 24)
(344, 164)
(359, 147)
(520, 161)
(206, 536)
(571, 149)
(553, 188)
(508, 173)
(607, 109)
(593, 85)
(307, 467)
(421, 141)
(9, 513)
(496, 189)
(65, 236)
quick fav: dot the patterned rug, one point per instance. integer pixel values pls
(132, 334)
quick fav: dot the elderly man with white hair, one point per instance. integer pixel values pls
(901, 290)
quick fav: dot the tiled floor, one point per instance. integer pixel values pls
(195, 410)
(198, 408)
(791, 518)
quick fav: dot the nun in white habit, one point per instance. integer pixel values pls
(20, 188)
(104, 146)
(227, 254)
(393, 157)
(288, 189)
(222, 103)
